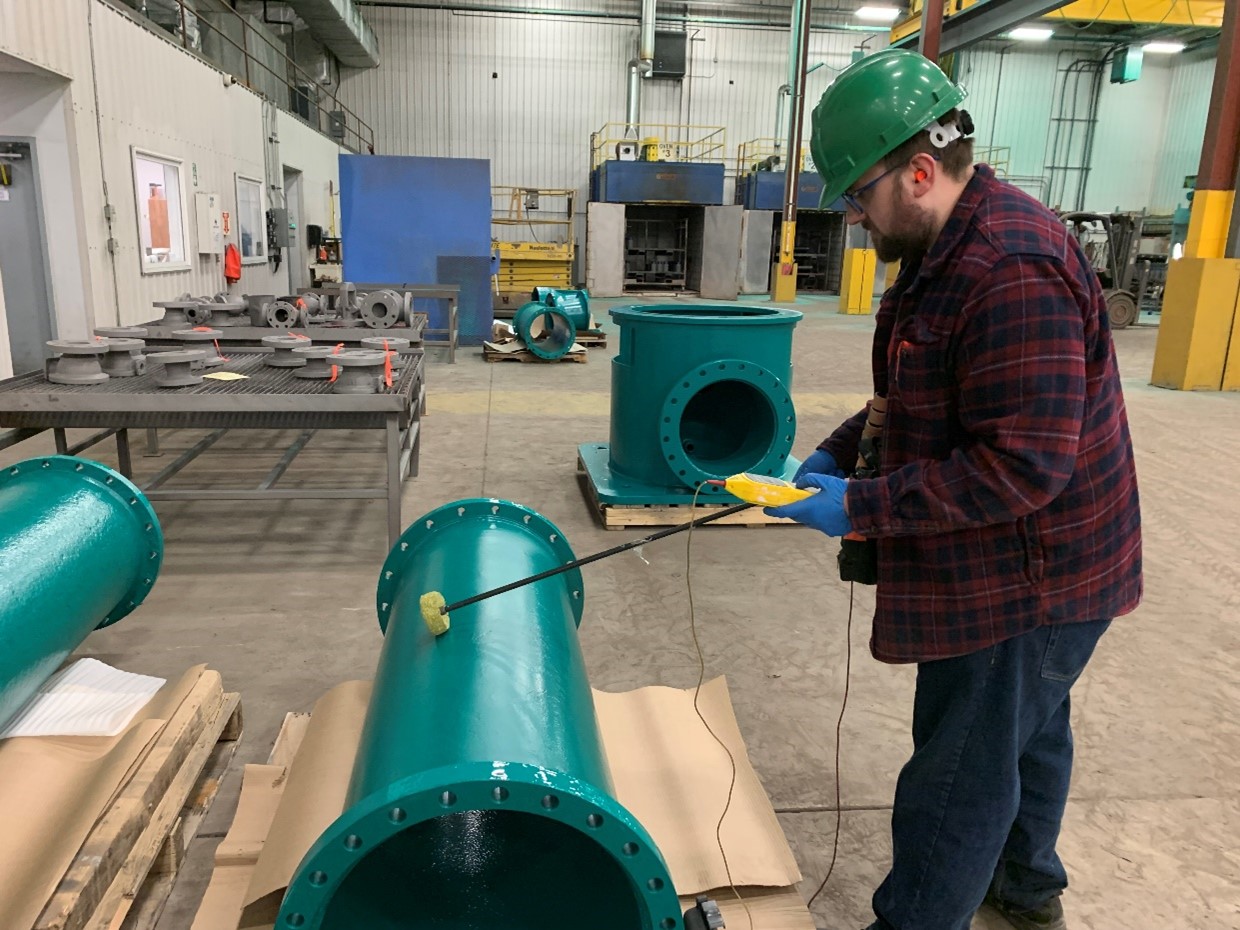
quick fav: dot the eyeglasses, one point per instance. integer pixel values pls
(852, 198)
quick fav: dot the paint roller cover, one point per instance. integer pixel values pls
(437, 621)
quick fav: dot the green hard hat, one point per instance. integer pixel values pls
(872, 108)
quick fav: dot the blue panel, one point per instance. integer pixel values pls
(764, 190)
(657, 182)
(400, 215)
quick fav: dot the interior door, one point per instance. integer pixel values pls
(23, 257)
(298, 258)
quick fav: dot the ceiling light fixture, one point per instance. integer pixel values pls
(1031, 33)
(1163, 48)
(878, 14)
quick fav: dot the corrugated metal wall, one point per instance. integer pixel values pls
(527, 91)
(47, 33)
(1188, 101)
(1015, 97)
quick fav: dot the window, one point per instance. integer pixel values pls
(251, 230)
(161, 213)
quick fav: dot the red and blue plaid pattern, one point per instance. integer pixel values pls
(1007, 495)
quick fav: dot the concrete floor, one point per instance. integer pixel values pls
(280, 599)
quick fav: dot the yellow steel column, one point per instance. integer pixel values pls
(1199, 314)
(857, 282)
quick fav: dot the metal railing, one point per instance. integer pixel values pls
(660, 142)
(999, 157)
(751, 154)
(225, 39)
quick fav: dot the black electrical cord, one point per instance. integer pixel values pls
(839, 724)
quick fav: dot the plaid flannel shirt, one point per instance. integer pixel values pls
(1007, 494)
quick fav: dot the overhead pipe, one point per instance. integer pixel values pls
(80, 548)
(480, 795)
(639, 67)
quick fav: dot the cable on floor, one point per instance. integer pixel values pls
(697, 692)
(839, 724)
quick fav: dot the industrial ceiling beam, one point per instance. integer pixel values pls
(1201, 13)
(975, 22)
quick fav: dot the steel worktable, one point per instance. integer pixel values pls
(270, 398)
(232, 336)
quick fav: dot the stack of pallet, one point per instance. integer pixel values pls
(123, 871)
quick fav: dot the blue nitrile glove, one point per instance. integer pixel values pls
(819, 462)
(823, 511)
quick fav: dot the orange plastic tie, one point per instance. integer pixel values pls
(335, 368)
(387, 363)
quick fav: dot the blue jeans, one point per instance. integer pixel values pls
(979, 804)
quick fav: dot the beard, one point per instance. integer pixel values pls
(910, 237)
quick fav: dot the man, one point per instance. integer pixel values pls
(1004, 504)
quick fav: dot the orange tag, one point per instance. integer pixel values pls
(335, 368)
(387, 363)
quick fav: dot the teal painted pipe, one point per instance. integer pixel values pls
(480, 796)
(701, 392)
(80, 547)
(546, 330)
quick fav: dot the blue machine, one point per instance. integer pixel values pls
(764, 190)
(409, 220)
(658, 182)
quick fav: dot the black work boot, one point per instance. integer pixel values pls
(1047, 917)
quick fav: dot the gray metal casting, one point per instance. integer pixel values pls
(395, 347)
(78, 361)
(282, 351)
(317, 364)
(124, 358)
(381, 309)
(177, 367)
(174, 310)
(360, 371)
(280, 314)
(203, 339)
(121, 332)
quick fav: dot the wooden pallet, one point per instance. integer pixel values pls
(624, 516)
(525, 355)
(121, 877)
(592, 339)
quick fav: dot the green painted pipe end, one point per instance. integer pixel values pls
(547, 330)
(474, 509)
(508, 842)
(107, 483)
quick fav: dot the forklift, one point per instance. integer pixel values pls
(1126, 251)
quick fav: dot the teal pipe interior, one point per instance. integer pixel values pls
(80, 547)
(480, 796)
(547, 331)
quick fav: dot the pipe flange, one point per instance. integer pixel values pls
(315, 362)
(381, 309)
(394, 346)
(545, 330)
(121, 332)
(359, 371)
(78, 361)
(280, 314)
(124, 358)
(492, 510)
(200, 313)
(493, 789)
(282, 351)
(204, 339)
(175, 311)
(117, 484)
(178, 367)
(772, 429)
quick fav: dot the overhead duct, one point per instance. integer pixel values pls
(639, 68)
(339, 25)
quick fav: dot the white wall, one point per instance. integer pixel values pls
(1188, 102)
(151, 94)
(318, 160)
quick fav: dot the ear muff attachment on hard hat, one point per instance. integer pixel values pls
(872, 108)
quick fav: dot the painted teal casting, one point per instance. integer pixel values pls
(80, 547)
(549, 324)
(480, 797)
